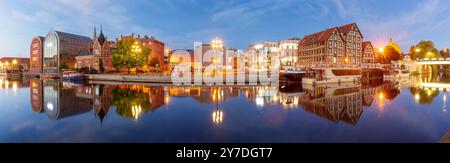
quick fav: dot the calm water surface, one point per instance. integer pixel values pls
(34, 110)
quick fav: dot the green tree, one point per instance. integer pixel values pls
(154, 63)
(63, 65)
(426, 49)
(389, 54)
(129, 54)
(412, 52)
(125, 100)
(445, 53)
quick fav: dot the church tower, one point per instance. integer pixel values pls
(94, 35)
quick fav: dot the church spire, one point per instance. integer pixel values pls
(390, 39)
(94, 35)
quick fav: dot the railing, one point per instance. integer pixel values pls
(366, 65)
(433, 59)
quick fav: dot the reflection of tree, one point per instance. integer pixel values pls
(127, 101)
(391, 92)
(424, 96)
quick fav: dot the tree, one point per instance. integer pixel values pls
(129, 54)
(63, 65)
(426, 49)
(389, 54)
(154, 63)
(445, 53)
(412, 52)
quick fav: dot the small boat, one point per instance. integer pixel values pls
(72, 76)
(398, 74)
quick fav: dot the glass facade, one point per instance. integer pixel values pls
(51, 52)
(62, 48)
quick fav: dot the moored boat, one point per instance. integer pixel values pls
(72, 75)
(318, 76)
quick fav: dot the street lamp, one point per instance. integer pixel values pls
(136, 47)
(381, 49)
(217, 44)
(417, 50)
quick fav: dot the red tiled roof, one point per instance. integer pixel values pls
(346, 28)
(318, 37)
(366, 43)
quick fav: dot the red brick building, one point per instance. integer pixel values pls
(97, 58)
(36, 53)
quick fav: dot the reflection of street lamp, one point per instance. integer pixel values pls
(217, 116)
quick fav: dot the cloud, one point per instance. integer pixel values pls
(403, 25)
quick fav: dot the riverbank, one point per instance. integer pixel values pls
(144, 78)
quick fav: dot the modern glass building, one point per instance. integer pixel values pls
(60, 50)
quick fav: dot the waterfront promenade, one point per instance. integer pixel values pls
(144, 78)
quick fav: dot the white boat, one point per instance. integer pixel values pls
(319, 76)
(398, 74)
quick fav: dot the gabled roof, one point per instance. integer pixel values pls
(85, 52)
(366, 43)
(345, 29)
(318, 37)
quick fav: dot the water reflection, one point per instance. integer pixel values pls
(260, 110)
(336, 103)
(59, 100)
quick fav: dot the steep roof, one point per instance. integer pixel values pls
(366, 43)
(345, 29)
(85, 52)
(101, 38)
(319, 36)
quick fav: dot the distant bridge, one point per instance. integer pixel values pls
(436, 86)
(434, 61)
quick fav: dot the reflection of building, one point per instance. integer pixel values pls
(337, 45)
(209, 95)
(36, 54)
(101, 97)
(98, 57)
(60, 102)
(341, 104)
(36, 94)
(60, 50)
